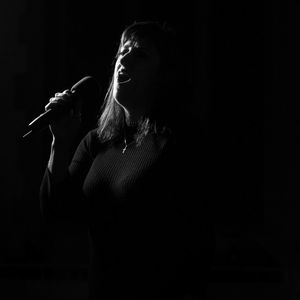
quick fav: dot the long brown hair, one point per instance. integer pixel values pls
(112, 119)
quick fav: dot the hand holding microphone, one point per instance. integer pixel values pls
(64, 110)
(68, 125)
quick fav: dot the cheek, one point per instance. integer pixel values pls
(153, 71)
(149, 75)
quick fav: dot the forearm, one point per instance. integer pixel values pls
(59, 195)
(59, 160)
(61, 187)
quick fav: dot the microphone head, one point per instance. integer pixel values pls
(87, 82)
(87, 92)
(87, 88)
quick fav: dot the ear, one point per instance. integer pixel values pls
(167, 79)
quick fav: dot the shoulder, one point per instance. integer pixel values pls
(91, 143)
(164, 140)
(90, 138)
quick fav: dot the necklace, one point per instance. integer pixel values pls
(129, 132)
(126, 145)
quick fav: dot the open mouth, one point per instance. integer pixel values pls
(123, 77)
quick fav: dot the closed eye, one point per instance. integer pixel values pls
(123, 51)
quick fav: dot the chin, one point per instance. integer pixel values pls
(123, 97)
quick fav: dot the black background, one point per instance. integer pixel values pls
(242, 65)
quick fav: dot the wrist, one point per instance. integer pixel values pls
(59, 159)
(61, 143)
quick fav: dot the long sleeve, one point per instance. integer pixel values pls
(65, 201)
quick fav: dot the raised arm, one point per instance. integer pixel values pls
(60, 191)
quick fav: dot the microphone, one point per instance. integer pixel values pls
(87, 88)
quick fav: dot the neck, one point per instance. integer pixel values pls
(133, 119)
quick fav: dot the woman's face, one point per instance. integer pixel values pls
(135, 75)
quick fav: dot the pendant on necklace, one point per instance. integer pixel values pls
(125, 147)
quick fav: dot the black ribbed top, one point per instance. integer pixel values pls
(133, 205)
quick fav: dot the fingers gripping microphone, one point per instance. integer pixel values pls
(86, 88)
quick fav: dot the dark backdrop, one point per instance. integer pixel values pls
(241, 64)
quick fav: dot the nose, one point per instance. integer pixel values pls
(127, 59)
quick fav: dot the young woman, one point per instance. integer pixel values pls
(130, 180)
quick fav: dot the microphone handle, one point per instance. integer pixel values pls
(46, 118)
(86, 86)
